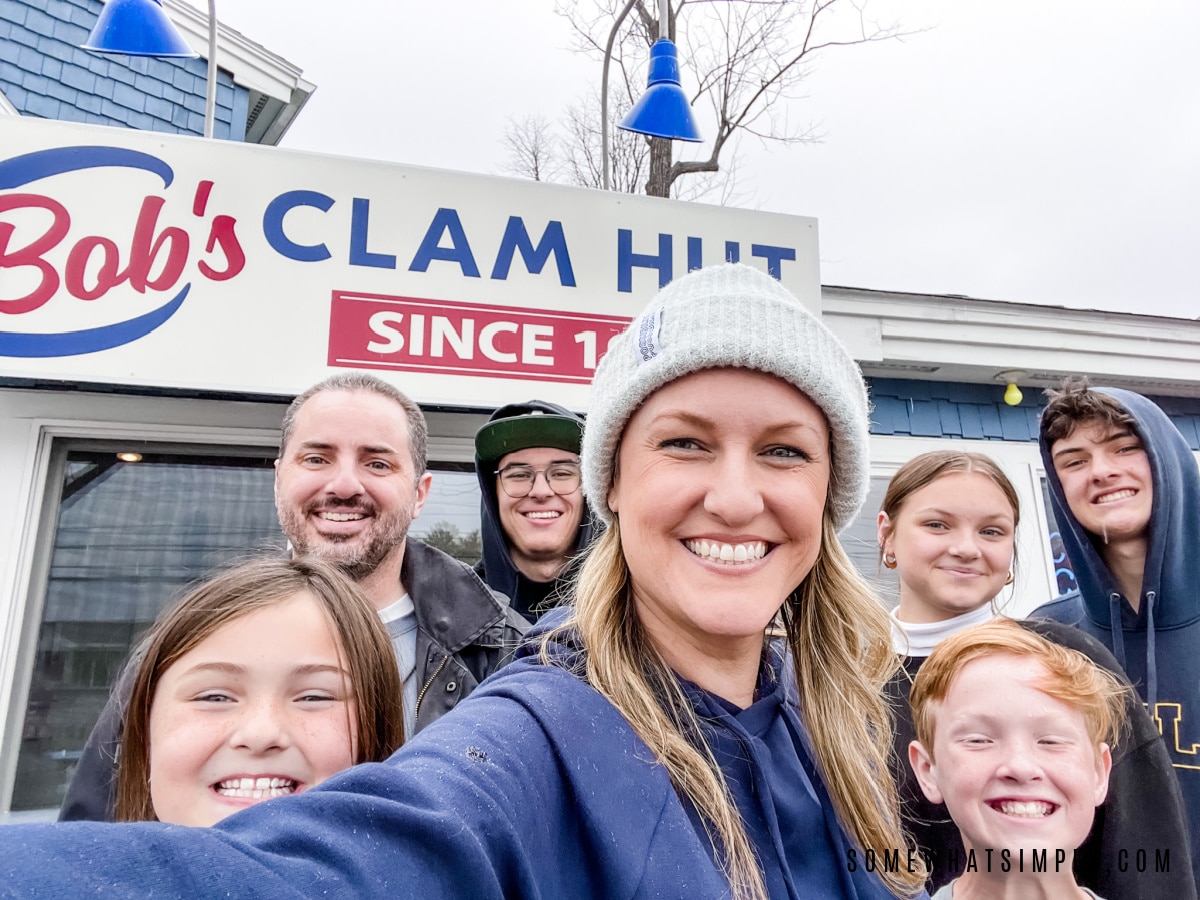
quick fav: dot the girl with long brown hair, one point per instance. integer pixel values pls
(261, 682)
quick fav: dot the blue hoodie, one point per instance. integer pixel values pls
(533, 787)
(1159, 645)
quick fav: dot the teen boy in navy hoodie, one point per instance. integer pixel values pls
(1126, 492)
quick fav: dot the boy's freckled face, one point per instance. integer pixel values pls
(1014, 766)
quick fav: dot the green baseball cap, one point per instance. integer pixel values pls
(519, 426)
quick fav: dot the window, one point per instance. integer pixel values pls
(1064, 574)
(129, 537)
(450, 519)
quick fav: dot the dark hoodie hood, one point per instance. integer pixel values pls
(1174, 538)
(1170, 596)
(496, 568)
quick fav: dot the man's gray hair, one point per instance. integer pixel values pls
(418, 431)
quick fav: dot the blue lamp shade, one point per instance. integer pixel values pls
(136, 28)
(663, 111)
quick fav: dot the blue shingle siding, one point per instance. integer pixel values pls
(241, 110)
(45, 73)
(59, 91)
(17, 97)
(14, 11)
(89, 104)
(948, 414)
(972, 424)
(978, 411)
(39, 23)
(40, 105)
(148, 85)
(889, 416)
(129, 97)
(925, 420)
(36, 84)
(1187, 427)
(174, 96)
(77, 77)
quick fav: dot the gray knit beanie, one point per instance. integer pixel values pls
(730, 315)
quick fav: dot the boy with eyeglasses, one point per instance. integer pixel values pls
(534, 519)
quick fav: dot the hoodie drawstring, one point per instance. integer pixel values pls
(1151, 660)
(1114, 622)
(1118, 638)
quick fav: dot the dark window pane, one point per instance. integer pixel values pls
(1064, 575)
(450, 519)
(130, 537)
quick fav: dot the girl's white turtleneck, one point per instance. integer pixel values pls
(911, 639)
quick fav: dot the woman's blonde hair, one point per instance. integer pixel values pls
(839, 637)
(364, 646)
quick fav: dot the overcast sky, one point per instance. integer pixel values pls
(1042, 151)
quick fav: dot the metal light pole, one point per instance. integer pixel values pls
(604, 92)
(141, 28)
(210, 92)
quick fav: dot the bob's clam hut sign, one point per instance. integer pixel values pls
(157, 261)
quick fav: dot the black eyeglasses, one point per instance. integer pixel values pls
(518, 480)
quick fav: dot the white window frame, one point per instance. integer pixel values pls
(31, 421)
(25, 556)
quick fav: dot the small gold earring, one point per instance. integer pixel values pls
(1010, 577)
(889, 561)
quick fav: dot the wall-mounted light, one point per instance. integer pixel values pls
(129, 457)
(1012, 393)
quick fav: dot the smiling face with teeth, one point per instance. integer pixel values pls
(952, 541)
(261, 708)
(1016, 768)
(540, 528)
(720, 491)
(346, 489)
(1107, 482)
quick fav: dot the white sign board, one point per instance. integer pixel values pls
(147, 260)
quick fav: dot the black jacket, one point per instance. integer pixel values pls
(464, 633)
(1143, 809)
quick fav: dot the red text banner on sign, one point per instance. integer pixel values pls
(375, 331)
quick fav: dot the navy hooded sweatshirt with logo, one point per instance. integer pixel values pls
(1159, 644)
(526, 596)
(533, 787)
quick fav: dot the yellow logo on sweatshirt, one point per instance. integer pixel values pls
(1170, 716)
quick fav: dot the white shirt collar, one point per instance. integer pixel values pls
(912, 639)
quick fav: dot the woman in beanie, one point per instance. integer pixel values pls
(704, 721)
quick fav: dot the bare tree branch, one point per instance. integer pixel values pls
(532, 150)
(746, 58)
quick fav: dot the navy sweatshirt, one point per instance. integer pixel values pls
(1159, 645)
(533, 787)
